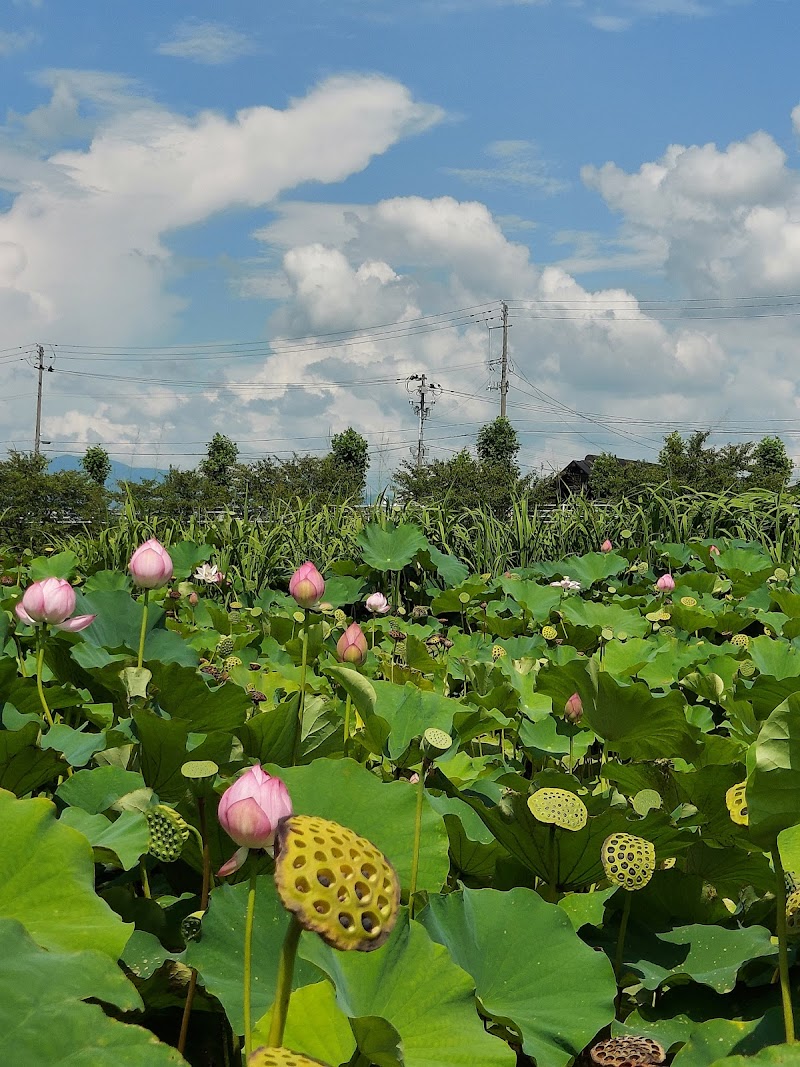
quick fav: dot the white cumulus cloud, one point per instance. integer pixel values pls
(212, 43)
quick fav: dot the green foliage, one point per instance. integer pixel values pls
(96, 464)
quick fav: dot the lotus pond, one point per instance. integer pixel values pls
(546, 817)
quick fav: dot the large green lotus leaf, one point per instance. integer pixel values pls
(218, 955)
(183, 693)
(166, 744)
(186, 556)
(624, 659)
(341, 590)
(587, 569)
(409, 712)
(384, 813)
(44, 1020)
(414, 985)
(361, 689)
(47, 881)
(775, 658)
(773, 781)
(119, 622)
(709, 1042)
(729, 869)
(315, 1025)
(597, 617)
(97, 789)
(577, 855)
(586, 909)
(77, 746)
(769, 1056)
(709, 955)
(638, 725)
(449, 568)
(270, 736)
(537, 600)
(390, 548)
(527, 962)
(60, 565)
(473, 849)
(23, 765)
(123, 841)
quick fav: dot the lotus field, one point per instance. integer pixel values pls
(390, 812)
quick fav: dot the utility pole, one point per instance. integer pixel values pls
(426, 395)
(504, 363)
(40, 368)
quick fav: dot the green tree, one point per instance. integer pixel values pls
(220, 461)
(771, 467)
(349, 459)
(96, 464)
(613, 478)
(38, 503)
(497, 443)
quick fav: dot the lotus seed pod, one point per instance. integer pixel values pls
(225, 647)
(780, 575)
(254, 666)
(435, 743)
(549, 633)
(628, 861)
(791, 881)
(498, 652)
(339, 618)
(740, 640)
(688, 602)
(419, 612)
(558, 807)
(397, 635)
(168, 833)
(336, 883)
(667, 864)
(736, 803)
(793, 914)
(668, 631)
(191, 926)
(280, 1057)
(627, 1049)
(230, 662)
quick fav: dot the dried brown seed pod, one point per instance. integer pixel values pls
(628, 1050)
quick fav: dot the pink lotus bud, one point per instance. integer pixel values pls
(414, 779)
(352, 645)
(50, 602)
(377, 604)
(249, 812)
(307, 585)
(194, 599)
(665, 584)
(714, 551)
(573, 709)
(150, 565)
(606, 546)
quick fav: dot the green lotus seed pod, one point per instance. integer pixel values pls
(740, 640)
(464, 598)
(498, 652)
(225, 647)
(549, 633)
(668, 631)
(230, 662)
(607, 633)
(558, 807)
(780, 575)
(736, 803)
(168, 833)
(280, 1057)
(200, 775)
(339, 618)
(628, 1050)
(435, 743)
(191, 926)
(688, 601)
(336, 883)
(792, 881)
(628, 861)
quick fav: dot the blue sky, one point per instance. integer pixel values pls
(189, 175)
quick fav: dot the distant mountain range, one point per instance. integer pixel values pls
(120, 472)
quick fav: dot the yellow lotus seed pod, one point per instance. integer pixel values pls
(280, 1057)
(168, 833)
(549, 633)
(740, 640)
(337, 883)
(736, 803)
(498, 652)
(628, 861)
(747, 668)
(793, 914)
(688, 602)
(558, 807)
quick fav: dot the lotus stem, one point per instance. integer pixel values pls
(283, 989)
(248, 967)
(302, 704)
(347, 706)
(145, 878)
(190, 992)
(40, 639)
(143, 631)
(618, 957)
(783, 954)
(412, 888)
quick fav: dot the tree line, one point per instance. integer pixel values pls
(37, 500)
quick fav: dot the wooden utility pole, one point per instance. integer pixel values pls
(504, 363)
(40, 367)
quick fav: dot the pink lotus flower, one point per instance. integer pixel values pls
(307, 585)
(377, 604)
(665, 584)
(352, 645)
(713, 551)
(150, 565)
(249, 812)
(606, 546)
(573, 709)
(50, 602)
